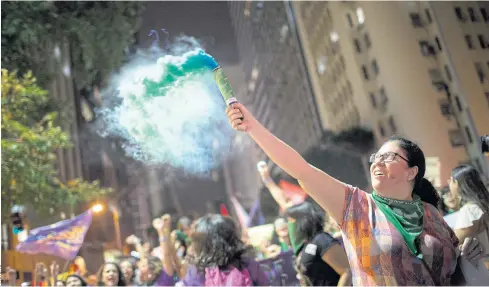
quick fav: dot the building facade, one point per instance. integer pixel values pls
(277, 88)
(417, 69)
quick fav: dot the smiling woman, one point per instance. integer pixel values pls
(394, 236)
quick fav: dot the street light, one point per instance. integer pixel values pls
(98, 207)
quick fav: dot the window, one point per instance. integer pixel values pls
(458, 103)
(375, 67)
(456, 138)
(448, 73)
(428, 15)
(484, 14)
(472, 15)
(480, 72)
(460, 14)
(381, 129)
(365, 72)
(373, 100)
(416, 20)
(334, 37)
(426, 48)
(438, 44)
(350, 20)
(445, 108)
(383, 96)
(357, 45)
(360, 16)
(392, 125)
(469, 135)
(368, 43)
(468, 40)
(482, 41)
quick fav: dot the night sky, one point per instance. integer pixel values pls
(208, 21)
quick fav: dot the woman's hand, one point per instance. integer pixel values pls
(239, 117)
(472, 250)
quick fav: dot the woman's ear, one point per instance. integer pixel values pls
(413, 171)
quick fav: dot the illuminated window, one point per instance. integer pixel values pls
(360, 16)
(334, 37)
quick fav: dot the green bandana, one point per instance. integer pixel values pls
(406, 216)
(283, 246)
(295, 242)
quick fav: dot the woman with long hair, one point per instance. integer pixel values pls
(218, 257)
(322, 260)
(128, 268)
(110, 274)
(471, 194)
(394, 236)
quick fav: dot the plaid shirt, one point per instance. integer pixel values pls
(378, 254)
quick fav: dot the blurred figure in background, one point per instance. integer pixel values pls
(219, 257)
(321, 260)
(110, 274)
(470, 193)
(128, 268)
(75, 280)
(448, 204)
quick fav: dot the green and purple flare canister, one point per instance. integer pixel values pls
(224, 86)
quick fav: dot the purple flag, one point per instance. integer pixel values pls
(62, 239)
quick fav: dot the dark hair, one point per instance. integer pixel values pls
(415, 156)
(216, 242)
(441, 204)
(83, 282)
(120, 279)
(471, 187)
(309, 220)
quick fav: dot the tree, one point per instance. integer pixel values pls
(30, 140)
(99, 35)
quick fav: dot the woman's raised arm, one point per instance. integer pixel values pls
(327, 191)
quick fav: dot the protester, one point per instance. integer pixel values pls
(110, 274)
(75, 280)
(219, 257)
(281, 234)
(322, 261)
(448, 204)
(469, 191)
(128, 268)
(394, 236)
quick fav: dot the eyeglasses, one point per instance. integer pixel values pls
(385, 157)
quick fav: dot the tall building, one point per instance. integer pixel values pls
(418, 69)
(277, 88)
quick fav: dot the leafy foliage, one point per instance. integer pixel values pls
(30, 141)
(98, 33)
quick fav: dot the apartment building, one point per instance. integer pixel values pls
(418, 69)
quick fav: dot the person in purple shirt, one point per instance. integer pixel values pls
(218, 252)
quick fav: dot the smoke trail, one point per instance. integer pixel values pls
(169, 110)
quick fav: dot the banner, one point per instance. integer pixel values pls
(63, 239)
(293, 192)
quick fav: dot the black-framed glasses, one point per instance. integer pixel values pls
(385, 157)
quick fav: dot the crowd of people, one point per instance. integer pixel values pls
(404, 232)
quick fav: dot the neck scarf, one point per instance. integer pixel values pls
(406, 216)
(295, 242)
